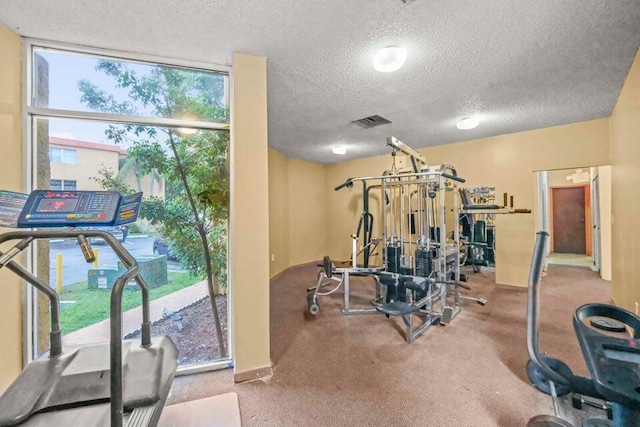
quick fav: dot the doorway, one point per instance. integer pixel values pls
(581, 196)
(571, 220)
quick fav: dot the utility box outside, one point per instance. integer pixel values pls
(153, 270)
(102, 278)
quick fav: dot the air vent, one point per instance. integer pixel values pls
(372, 121)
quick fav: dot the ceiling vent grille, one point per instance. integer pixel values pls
(372, 121)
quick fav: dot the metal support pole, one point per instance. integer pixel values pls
(117, 410)
(58, 273)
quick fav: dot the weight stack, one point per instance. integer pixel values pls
(407, 271)
(393, 259)
(424, 265)
(396, 291)
(491, 245)
(480, 232)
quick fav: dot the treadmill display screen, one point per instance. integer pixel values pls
(57, 205)
(49, 208)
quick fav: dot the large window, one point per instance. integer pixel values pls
(100, 122)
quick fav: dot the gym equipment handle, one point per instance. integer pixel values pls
(537, 264)
(538, 259)
(455, 178)
(347, 183)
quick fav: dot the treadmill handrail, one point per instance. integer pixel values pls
(132, 272)
(127, 259)
(115, 348)
(55, 334)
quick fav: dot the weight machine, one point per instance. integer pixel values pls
(478, 223)
(420, 272)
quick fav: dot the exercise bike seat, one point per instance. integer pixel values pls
(613, 362)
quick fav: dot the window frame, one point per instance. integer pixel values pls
(31, 114)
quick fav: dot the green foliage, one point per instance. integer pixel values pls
(92, 305)
(134, 228)
(109, 180)
(193, 214)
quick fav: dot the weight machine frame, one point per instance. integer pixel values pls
(439, 300)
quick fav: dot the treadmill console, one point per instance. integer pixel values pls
(48, 208)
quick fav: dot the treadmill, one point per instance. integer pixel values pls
(121, 382)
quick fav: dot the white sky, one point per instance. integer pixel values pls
(65, 71)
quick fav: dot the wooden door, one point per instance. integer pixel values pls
(570, 222)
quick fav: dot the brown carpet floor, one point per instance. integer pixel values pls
(335, 370)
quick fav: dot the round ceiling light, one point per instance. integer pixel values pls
(339, 149)
(389, 59)
(468, 123)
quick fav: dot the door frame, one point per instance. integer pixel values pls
(596, 226)
(587, 215)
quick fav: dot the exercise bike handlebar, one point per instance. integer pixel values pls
(532, 311)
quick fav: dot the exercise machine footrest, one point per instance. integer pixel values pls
(397, 308)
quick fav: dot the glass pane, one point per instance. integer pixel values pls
(169, 166)
(56, 155)
(69, 156)
(55, 184)
(69, 81)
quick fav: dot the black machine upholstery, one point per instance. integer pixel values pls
(468, 205)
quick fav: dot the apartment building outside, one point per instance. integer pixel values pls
(74, 165)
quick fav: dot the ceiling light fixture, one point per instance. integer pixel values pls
(468, 123)
(389, 59)
(339, 149)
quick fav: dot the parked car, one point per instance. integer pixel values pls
(119, 232)
(161, 247)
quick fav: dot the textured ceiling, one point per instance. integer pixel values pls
(518, 64)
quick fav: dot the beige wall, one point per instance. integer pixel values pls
(505, 162)
(297, 211)
(307, 213)
(625, 179)
(278, 212)
(558, 178)
(249, 237)
(11, 178)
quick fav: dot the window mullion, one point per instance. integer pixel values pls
(121, 118)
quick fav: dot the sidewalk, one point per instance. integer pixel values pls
(132, 319)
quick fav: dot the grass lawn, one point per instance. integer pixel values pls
(92, 305)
